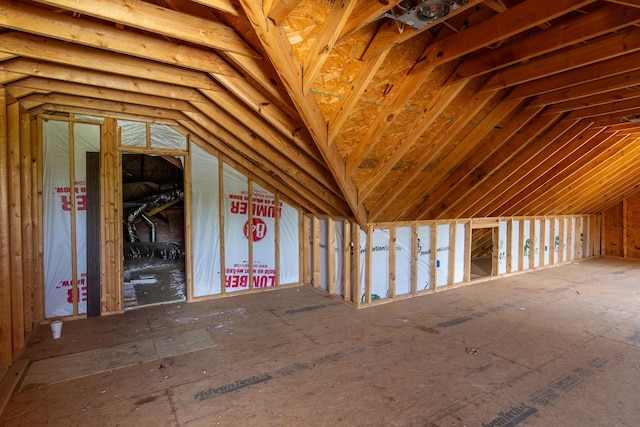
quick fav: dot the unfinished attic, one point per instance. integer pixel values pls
(166, 151)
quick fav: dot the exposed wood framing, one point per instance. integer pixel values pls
(276, 43)
(6, 328)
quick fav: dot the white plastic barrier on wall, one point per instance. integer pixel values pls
(459, 253)
(380, 264)
(442, 255)
(502, 247)
(289, 267)
(420, 267)
(424, 258)
(205, 208)
(515, 246)
(403, 261)
(59, 196)
(238, 202)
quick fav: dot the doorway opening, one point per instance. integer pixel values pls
(482, 247)
(153, 225)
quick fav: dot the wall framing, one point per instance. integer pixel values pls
(582, 242)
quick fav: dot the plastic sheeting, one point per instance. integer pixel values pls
(263, 237)
(205, 222)
(442, 255)
(380, 263)
(527, 245)
(515, 246)
(57, 203)
(403, 261)
(502, 247)
(134, 134)
(238, 231)
(459, 255)
(547, 242)
(424, 258)
(289, 245)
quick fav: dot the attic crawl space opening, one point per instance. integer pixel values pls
(173, 219)
(482, 252)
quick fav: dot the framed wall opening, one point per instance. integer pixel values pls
(482, 252)
(153, 228)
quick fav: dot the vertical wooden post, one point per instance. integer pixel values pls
(414, 259)
(393, 232)
(6, 328)
(72, 218)
(495, 250)
(316, 252)
(509, 246)
(355, 264)
(306, 249)
(624, 229)
(36, 150)
(331, 256)
(27, 220)
(15, 227)
(522, 241)
(346, 260)
(368, 266)
(552, 242)
(467, 251)
(303, 246)
(221, 212)
(532, 244)
(598, 234)
(561, 240)
(276, 242)
(570, 230)
(111, 214)
(543, 240)
(453, 229)
(577, 237)
(250, 230)
(188, 225)
(434, 255)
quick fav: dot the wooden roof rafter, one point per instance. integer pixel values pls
(326, 39)
(445, 164)
(409, 183)
(557, 188)
(524, 16)
(146, 16)
(575, 30)
(499, 180)
(277, 45)
(609, 46)
(474, 183)
(542, 162)
(566, 161)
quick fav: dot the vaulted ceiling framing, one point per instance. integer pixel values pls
(504, 107)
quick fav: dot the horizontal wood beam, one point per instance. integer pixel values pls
(515, 20)
(156, 19)
(607, 47)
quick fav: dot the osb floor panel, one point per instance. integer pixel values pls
(555, 347)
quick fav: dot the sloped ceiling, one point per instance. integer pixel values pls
(502, 108)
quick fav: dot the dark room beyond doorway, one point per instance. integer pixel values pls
(153, 225)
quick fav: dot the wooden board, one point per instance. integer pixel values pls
(78, 365)
(10, 381)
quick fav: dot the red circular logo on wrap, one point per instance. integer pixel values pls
(258, 229)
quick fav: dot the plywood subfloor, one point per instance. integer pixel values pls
(555, 347)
